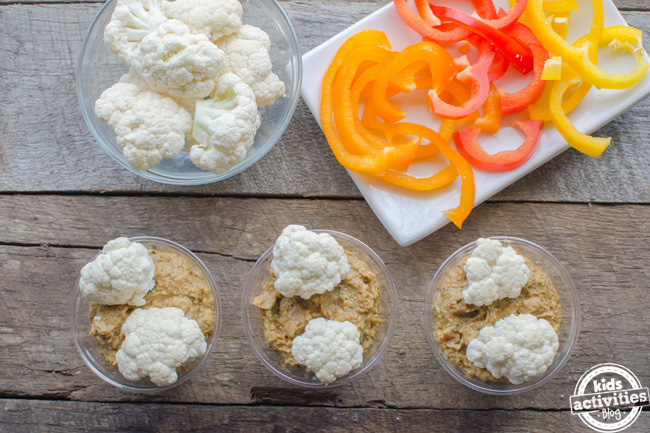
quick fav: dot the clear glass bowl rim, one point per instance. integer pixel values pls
(76, 293)
(208, 177)
(500, 389)
(385, 344)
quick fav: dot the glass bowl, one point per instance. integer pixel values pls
(98, 69)
(251, 318)
(569, 326)
(89, 350)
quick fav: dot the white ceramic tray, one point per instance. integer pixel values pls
(410, 216)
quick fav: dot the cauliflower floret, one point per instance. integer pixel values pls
(225, 126)
(156, 342)
(121, 274)
(329, 348)
(520, 347)
(494, 272)
(247, 56)
(306, 263)
(174, 61)
(213, 18)
(131, 21)
(148, 126)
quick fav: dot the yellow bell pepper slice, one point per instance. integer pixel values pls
(577, 57)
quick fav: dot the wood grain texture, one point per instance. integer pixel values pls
(75, 417)
(46, 146)
(605, 249)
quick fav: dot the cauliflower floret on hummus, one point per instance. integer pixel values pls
(121, 274)
(519, 347)
(494, 272)
(329, 348)
(306, 263)
(157, 342)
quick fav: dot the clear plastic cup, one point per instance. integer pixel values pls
(569, 327)
(89, 349)
(251, 317)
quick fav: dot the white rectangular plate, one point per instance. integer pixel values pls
(410, 216)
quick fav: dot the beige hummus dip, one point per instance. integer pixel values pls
(179, 283)
(457, 323)
(355, 299)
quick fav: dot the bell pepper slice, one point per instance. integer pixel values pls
(443, 178)
(516, 10)
(560, 23)
(451, 33)
(491, 118)
(467, 189)
(518, 101)
(577, 57)
(555, 6)
(425, 13)
(356, 138)
(441, 66)
(499, 65)
(516, 54)
(476, 76)
(506, 160)
(552, 69)
(366, 164)
(592, 146)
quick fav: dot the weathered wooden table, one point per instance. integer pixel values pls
(62, 198)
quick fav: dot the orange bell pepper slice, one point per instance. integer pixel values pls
(366, 164)
(491, 118)
(467, 189)
(441, 64)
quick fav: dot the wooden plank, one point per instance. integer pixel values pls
(46, 146)
(75, 417)
(605, 248)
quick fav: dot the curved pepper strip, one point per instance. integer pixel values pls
(441, 65)
(506, 160)
(592, 146)
(476, 76)
(499, 65)
(370, 120)
(365, 164)
(516, 10)
(405, 152)
(425, 13)
(346, 113)
(443, 178)
(576, 57)
(517, 55)
(517, 101)
(453, 33)
(555, 6)
(467, 189)
(491, 118)
(560, 23)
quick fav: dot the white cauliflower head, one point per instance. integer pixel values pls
(247, 56)
(131, 21)
(519, 347)
(213, 18)
(329, 348)
(306, 263)
(174, 61)
(225, 126)
(121, 274)
(157, 341)
(148, 126)
(494, 272)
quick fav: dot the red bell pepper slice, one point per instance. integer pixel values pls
(476, 76)
(518, 101)
(516, 54)
(447, 32)
(506, 160)
(499, 65)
